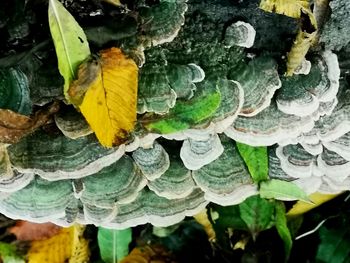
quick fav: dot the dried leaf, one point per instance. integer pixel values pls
(148, 254)
(203, 219)
(27, 231)
(113, 2)
(5, 164)
(70, 42)
(298, 51)
(67, 246)
(109, 104)
(14, 126)
(291, 8)
(317, 199)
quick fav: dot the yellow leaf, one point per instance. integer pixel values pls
(298, 51)
(202, 218)
(109, 104)
(67, 246)
(113, 2)
(317, 199)
(305, 38)
(291, 8)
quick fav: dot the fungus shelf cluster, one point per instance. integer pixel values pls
(211, 74)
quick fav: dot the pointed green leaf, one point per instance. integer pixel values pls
(334, 246)
(70, 42)
(282, 190)
(188, 113)
(256, 160)
(257, 213)
(113, 244)
(9, 254)
(282, 228)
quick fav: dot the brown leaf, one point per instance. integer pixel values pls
(27, 231)
(149, 254)
(14, 126)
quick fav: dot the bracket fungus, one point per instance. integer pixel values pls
(161, 84)
(72, 124)
(301, 95)
(259, 80)
(197, 153)
(163, 21)
(268, 127)
(210, 80)
(155, 93)
(14, 91)
(240, 34)
(153, 161)
(58, 157)
(175, 183)
(225, 180)
(232, 98)
(159, 211)
(297, 162)
(118, 183)
(39, 201)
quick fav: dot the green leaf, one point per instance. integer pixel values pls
(187, 114)
(282, 190)
(229, 216)
(256, 160)
(113, 244)
(225, 217)
(70, 42)
(334, 246)
(9, 254)
(257, 213)
(282, 228)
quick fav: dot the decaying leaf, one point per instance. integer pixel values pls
(27, 231)
(70, 42)
(5, 164)
(14, 126)
(307, 33)
(291, 8)
(148, 254)
(304, 39)
(113, 2)
(299, 49)
(67, 246)
(317, 199)
(109, 103)
(202, 218)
